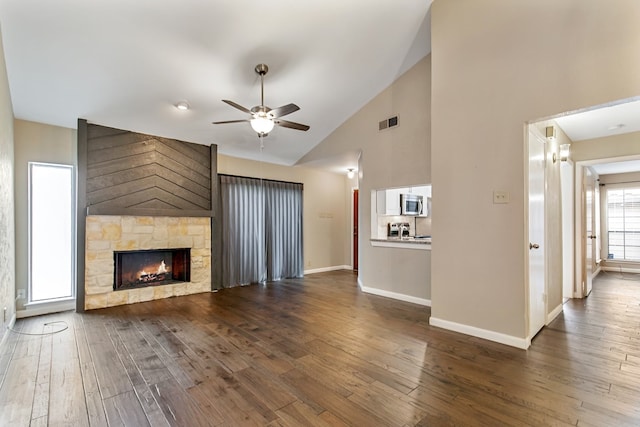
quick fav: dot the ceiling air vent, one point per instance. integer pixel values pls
(388, 123)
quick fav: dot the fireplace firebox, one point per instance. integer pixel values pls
(137, 269)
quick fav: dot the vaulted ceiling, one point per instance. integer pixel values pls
(126, 64)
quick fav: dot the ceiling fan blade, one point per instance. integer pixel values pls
(291, 125)
(284, 110)
(230, 121)
(238, 106)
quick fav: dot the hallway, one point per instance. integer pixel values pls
(595, 346)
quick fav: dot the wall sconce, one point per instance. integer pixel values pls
(564, 152)
(350, 173)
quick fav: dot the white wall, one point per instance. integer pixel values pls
(498, 64)
(35, 142)
(396, 157)
(7, 227)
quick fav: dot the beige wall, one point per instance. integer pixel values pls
(35, 142)
(498, 64)
(611, 147)
(396, 157)
(326, 211)
(7, 252)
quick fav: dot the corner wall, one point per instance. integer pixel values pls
(498, 64)
(395, 157)
(7, 227)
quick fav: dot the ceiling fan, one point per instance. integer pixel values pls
(263, 118)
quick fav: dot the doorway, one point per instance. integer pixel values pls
(590, 229)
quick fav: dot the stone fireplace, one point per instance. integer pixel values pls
(108, 236)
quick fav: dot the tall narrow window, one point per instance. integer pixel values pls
(623, 223)
(51, 232)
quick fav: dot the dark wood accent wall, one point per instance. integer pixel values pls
(127, 170)
(126, 173)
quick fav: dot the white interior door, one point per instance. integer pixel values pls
(537, 272)
(589, 231)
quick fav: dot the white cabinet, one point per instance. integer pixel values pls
(388, 201)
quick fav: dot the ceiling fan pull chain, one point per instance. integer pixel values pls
(262, 89)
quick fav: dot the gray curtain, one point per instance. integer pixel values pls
(283, 219)
(261, 230)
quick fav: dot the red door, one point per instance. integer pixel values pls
(355, 230)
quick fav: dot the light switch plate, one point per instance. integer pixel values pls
(500, 197)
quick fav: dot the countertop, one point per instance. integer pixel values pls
(403, 242)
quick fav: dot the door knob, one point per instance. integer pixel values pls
(533, 246)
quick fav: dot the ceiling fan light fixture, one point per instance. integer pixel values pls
(262, 125)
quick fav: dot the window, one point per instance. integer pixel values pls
(51, 232)
(623, 223)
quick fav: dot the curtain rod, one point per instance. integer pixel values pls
(621, 182)
(261, 179)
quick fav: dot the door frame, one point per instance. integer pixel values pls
(355, 228)
(579, 286)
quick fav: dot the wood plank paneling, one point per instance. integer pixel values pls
(131, 170)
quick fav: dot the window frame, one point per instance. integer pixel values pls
(73, 239)
(605, 222)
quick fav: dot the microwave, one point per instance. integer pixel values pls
(411, 204)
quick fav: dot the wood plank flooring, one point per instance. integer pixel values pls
(318, 352)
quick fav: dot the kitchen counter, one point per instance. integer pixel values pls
(403, 242)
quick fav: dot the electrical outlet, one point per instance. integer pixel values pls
(21, 294)
(500, 197)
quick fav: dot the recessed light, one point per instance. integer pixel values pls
(616, 127)
(182, 105)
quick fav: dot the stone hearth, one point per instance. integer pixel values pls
(106, 234)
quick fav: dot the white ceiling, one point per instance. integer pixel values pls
(125, 64)
(603, 121)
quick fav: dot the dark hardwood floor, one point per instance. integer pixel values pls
(317, 352)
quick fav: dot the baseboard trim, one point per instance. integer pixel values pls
(394, 295)
(486, 334)
(46, 308)
(555, 313)
(620, 269)
(325, 269)
(5, 335)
